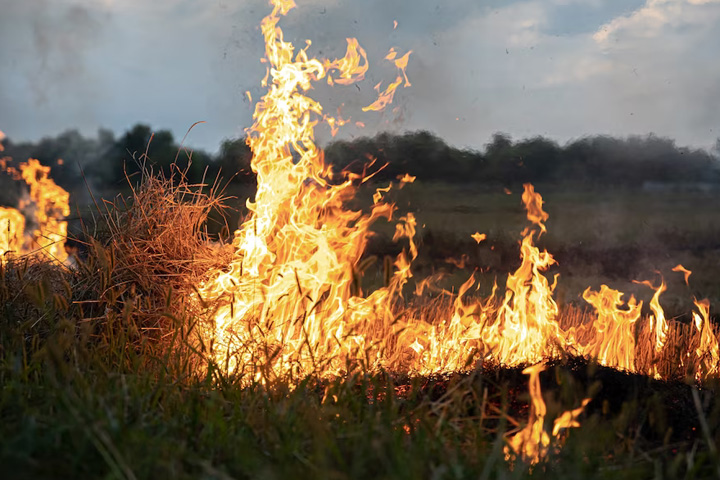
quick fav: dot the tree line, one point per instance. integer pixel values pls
(593, 160)
(105, 161)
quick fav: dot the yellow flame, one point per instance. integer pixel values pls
(657, 319)
(708, 352)
(613, 339)
(12, 226)
(686, 273)
(290, 284)
(290, 302)
(50, 206)
(533, 442)
(478, 237)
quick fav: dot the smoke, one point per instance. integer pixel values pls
(47, 83)
(61, 36)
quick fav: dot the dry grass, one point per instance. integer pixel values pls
(148, 251)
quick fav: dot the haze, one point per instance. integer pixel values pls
(558, 68)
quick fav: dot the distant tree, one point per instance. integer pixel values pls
(502, 161)
(233, 161)
(139, 148)
(540, 159)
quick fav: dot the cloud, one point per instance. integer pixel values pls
(51, 52)
(562, 68)
(656, 17)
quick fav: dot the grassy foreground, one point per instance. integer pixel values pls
(105, 408)
(99, 378)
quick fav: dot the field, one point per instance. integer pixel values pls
(87, 393)
(611, 236)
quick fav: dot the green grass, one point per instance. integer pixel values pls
(66, 415)
(85, 394)
(82, 402)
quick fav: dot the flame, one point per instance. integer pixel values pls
(526, 329)
(290, 302)
(386, 96)
(12, 226)
(533, 442)
(686, 273)
(352, 67)
(285, 302)
(50, 206)
(533, 203)
(708, 352)
(478, 237)
(613, 342)
(657, 319)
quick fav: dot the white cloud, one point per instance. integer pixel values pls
(653, 19)
(476, 68)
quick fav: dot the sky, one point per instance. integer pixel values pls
(559, 68)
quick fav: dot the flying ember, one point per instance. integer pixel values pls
(288, 305)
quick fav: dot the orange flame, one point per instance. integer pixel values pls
(290, 284)
(478, 237)
(50, 207)
(532, 443)
(708, 352)
(533, 203)
(386, 96)
(12, 226)
(613, 342)
(290, 302)
(684, 271)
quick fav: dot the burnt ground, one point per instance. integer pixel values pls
(649, 413)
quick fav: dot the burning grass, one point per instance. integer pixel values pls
(270, 346)
(145, 255)
(69, 411)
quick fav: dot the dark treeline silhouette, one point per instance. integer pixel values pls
(105, 161)
(594, 160)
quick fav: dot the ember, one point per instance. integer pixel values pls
(287, 305)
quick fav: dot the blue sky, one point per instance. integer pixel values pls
(561, 68)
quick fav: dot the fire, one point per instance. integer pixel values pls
(526, 330)
(290, 302)
(12, 226)
(686, 273)
(386, 96)
(533, 442)
(285, 302)
(613, 341)
(708, 352)
(49, 204)
(478, 237)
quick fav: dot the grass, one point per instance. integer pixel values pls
(100, 378)
(610, 236)
(70, 410)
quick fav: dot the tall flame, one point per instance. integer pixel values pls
(708, 352)
(290, 283)
(12, 226)
(613, 340)
(289, 303)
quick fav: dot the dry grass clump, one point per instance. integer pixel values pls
(147, 253)
(33, 290)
